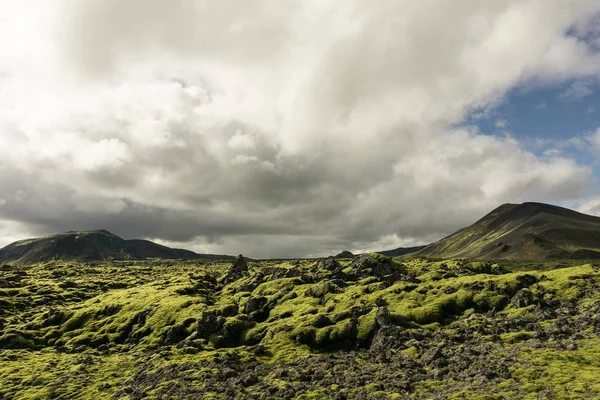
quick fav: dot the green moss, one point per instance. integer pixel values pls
(513, 337)
(14, 339)
(255, 335)
(322, 336)
(411, 352)
(144, 317)
(304, 335)
(381, 258)
(235, 328)
(366, 327)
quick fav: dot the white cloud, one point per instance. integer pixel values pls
(590, 205)
(594, 139)
(242, 141)
(551, 153)
(577, 91)
(281, 128)
(501, 123)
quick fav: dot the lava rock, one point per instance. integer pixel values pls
(522, 298)
(366, 265)
(209, 324)
(383, 317)
(329, 264)
(387, 338)
(238, 269)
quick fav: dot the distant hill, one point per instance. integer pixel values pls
(97, 245)
(523, 231)
(344, 254)
(400, 251)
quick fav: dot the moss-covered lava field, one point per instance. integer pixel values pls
(368, 327)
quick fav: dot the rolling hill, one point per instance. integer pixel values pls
(523, 231)
(96, 245)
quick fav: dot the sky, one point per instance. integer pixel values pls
(293, 128)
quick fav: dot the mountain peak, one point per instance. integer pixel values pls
(93, 245)
(103, 231)
(523, 231)
(94, 231)
(344, 254)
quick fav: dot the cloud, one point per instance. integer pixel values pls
(577, 91)
(275, 129)
(594, 139)
(591, 206)
(501, 123)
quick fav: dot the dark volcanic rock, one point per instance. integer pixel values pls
(527, 279)
(328, 263)
(257, 309)
(387, 338)
(523, 298)
(209, 324)
(383, 317)
(431, 355)
(255, 304)
(238, 269)
(365, 265)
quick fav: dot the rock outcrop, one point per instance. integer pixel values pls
(238, 269)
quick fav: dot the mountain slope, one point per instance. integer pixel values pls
(523, 231)
(90, 246)
(400, 251)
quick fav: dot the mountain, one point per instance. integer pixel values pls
(96, 245)
(523, 231)
(400, 251)
(344, 254)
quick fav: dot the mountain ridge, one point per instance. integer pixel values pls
(529, 230)
(400, 251)
(93, 245)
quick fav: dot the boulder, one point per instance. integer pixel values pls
(367, 265)
(329, 264)
(429, 356)
(255, 304)
(383, 317)
(389, 337)
(234, 328)
(527, 279)
(257, 309)
(209, 324)
(238, 269)
(522, 298)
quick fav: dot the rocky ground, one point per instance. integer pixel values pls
(367, 327)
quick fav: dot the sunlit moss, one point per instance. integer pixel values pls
(129, 317)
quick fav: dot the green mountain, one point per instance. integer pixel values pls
(523, 231)
(96, 245)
